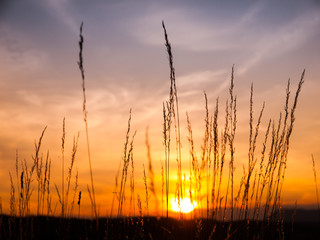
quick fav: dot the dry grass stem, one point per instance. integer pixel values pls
(85, 113)
(315, 180)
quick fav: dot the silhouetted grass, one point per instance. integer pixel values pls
(85, 113)
(251, 211)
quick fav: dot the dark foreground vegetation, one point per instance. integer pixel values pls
(302, 226)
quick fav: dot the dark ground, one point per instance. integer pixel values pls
(306, 226)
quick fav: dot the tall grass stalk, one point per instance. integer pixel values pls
(168, 112)
(261, 176)
(46, 180)
(49, 210)
(146, 190)
(62, 170)
(73, 157)
(141, 227)
(215, 167)
(166, 142)
(162, 187)
(172, 111)
(79, 203)
(127, 155)
(315, 180)
(251, 154)
(115, 193)
(150, 171)
(85, 113)
(12, 198)
(18, 182)
(75, 189)
(205, 157)
(224, 139)
(194, 171)
(285, 149)
(132, 186)
(59, 195)
(38, 167)
(231, 136)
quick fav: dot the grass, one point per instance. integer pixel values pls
(316, 183)
(229, 208)
(85, 113)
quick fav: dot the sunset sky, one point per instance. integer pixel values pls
(126, 67)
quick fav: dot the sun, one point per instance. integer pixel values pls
(185, 205)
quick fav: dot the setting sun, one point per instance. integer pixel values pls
(185, 205)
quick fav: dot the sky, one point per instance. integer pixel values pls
(126, 67)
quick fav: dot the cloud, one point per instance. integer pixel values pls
(189, 30)
(60, 7)
(196, 78)
(17, 54)
(250, 35)
(282, 39)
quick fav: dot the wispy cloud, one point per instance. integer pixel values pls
(191, 31)
(18, 55)
(247, 36)
(283, 38)
(61, 12)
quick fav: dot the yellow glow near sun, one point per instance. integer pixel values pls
(185, 204)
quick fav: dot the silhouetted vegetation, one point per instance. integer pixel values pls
(247, 208)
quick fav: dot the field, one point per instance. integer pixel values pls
(210, 201)
(157, 228)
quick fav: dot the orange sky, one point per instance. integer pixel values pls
(126, 67)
